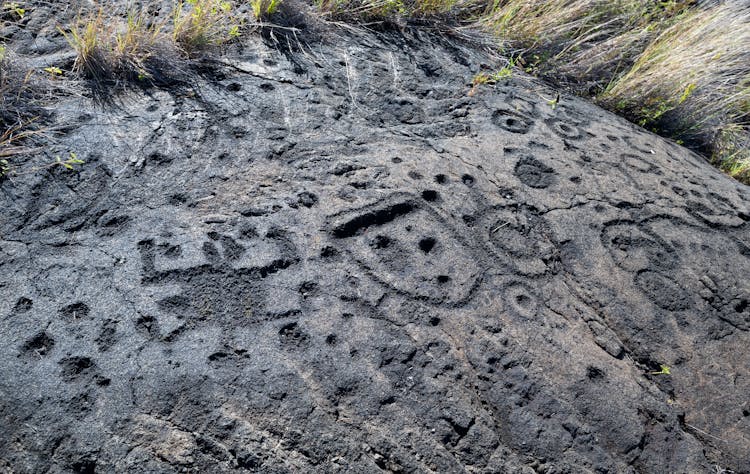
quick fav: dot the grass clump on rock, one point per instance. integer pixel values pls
(114, 51)
(141, 48)
(200, 24)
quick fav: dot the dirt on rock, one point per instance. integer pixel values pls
(332, 258)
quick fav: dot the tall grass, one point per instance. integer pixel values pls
(378, 10)
(693, 81)
(681, 68)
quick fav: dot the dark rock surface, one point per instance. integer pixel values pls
(335, 260)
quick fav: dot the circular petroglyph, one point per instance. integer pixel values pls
(565, 129)
(662, 290)
(404, 244)
(521, 300)
(519, 233)
(519, 236)
(511, 121)
(634, 248)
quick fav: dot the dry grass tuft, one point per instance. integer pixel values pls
(693, 81)
(678, 67)
(91, 38)
(200, 24)
(588, 40)
(379, 10)
(112, 51)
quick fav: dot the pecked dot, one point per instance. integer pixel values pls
(427, 244)
(430, 195)
(381, 242)
(23, 305)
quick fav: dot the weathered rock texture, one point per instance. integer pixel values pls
(336, 260)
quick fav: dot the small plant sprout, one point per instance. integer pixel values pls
(551, 102)
(494, 77)
(69, 163)
(14, 8)
(665, 370)
(7, 169)
(4, 168)
(53, 70)
(688, 92)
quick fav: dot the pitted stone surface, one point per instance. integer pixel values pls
(342, 262)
